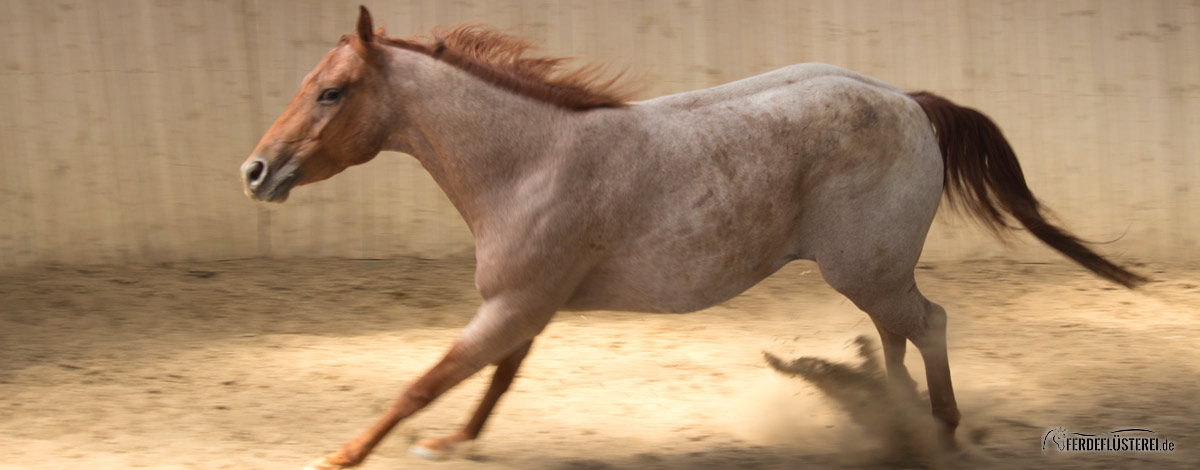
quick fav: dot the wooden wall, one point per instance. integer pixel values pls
(124, 122)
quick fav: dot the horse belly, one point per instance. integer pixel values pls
(673, 280)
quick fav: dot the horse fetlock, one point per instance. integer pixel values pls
(949, 418)
(949, 442)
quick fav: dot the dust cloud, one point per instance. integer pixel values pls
(893, 421)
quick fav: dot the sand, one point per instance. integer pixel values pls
(266, 364)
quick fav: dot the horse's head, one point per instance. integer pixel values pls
(335, 121)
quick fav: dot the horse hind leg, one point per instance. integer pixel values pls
(894, 349)
(930, 340)
(901, 313)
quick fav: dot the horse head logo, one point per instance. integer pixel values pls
(1057, 436)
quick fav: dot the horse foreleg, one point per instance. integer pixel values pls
(494, 334)
(506, 370)
(448, 372)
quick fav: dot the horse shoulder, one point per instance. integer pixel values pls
(550, 228)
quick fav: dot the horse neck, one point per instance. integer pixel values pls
(478, 141)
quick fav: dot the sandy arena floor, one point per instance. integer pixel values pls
(266, 364)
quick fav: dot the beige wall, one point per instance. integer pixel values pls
(124, 122)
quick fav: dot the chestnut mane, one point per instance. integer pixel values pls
(500, 59)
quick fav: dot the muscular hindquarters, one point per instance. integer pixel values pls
(834, 168)
(869, 233)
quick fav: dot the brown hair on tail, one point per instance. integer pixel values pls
(983, 177)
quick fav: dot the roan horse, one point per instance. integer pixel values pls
(580, 200)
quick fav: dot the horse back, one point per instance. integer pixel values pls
(701, 195)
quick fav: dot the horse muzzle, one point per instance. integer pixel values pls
(262, 183)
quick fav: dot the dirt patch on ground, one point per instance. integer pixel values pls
(265, 364)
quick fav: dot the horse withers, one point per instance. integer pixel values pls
(579, 199)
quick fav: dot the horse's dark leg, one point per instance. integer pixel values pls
(500, 328)
(894, 347)
(506, 370)
(451, 370)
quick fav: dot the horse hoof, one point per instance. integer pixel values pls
(428, 453)
(324, 463)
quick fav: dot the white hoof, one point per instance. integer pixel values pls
(426, 453)
(322, 467)
(322, 464)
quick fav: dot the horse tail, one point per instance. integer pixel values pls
(983, 178)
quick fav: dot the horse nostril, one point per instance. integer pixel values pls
(254, 171)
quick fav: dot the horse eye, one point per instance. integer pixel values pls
(329, 95)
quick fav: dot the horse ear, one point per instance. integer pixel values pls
(364, 25)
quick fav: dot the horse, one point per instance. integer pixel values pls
(580, 199)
